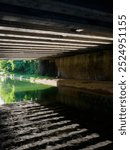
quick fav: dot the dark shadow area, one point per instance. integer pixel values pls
(30, 121)
(48, 68)
(90, 110)
(93, 4)
(4, 126)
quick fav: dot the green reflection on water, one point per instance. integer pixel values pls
(14, 90)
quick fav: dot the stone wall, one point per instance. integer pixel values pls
(91, 66)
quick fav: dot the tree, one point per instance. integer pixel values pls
(20, 66)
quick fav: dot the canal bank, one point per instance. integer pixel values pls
(93, 95)
(104, 87)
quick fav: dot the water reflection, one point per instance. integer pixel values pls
(14, 90)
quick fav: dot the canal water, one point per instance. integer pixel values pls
(91, 111)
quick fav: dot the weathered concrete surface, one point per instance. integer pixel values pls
(91, 66)
(103, 87)
(52, 82)
(44, 28)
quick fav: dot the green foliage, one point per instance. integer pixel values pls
(15, 90)
(20, 66)
(6, 65)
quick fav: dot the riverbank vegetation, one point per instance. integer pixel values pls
(30, 67)
(26, 69)
(18, 80)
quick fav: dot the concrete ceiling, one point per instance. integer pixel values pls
(37, 29)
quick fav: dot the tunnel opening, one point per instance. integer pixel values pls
(56, 75)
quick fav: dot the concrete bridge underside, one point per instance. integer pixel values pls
(50, 30)
(40, 29)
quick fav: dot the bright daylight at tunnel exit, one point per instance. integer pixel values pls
(56, 75)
